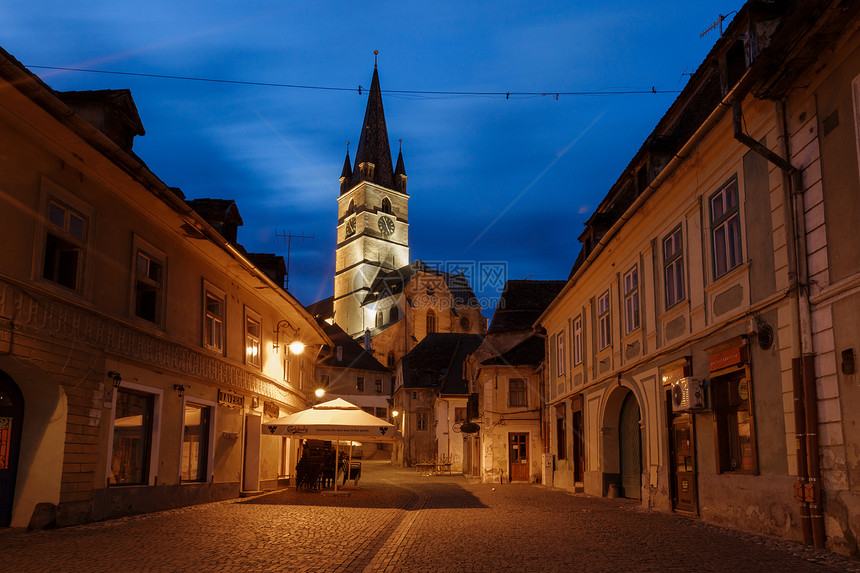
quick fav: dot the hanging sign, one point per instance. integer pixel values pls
(230, 399)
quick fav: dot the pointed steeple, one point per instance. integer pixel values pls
(373, 156)
(346, 174)
(400, 171)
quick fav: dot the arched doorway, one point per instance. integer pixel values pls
(11, 423)
(630, 448)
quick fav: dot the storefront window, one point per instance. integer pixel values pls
(132, 438)
(195, 443)
(735, 424)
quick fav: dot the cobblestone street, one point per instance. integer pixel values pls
(398, 520)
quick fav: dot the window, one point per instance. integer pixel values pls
(65, 245)
(148, 286)
(391, 360)
(195, 443)
(302, 373)
(359, 384)
(213, 321)
(577, 341)
(673, 267)
(252, 340)
(386, 206)
(380, 320)
(381, 413)
(378, 384)
(287, 376)
(325, 380)
(351, 208)
(735, 424)
(631, 300)
(421, 421)
(459, 415)
(394, 314)
(726, 229)
(414, 395)
(559, 354)
(132, 437)
(517, 397)
(368, 409)
(431, 321)
(604, 331)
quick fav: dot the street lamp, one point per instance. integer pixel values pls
(319, 392)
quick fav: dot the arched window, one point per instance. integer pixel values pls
(386, 206)
(391, 360)
(351, 209)
(431, 321)
(394, 314)
(379, 318)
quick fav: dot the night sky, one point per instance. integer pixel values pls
(492, 179)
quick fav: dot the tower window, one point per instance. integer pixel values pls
(351, 209)
(386, 206)
(431, 321)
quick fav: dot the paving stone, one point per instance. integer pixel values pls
(398, 520)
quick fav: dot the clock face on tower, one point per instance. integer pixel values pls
(386, 226)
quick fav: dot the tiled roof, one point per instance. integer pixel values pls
(392, 282)
(353, 355)
(529, 352)
(521, 303)
(437, 362)
(323, 309)
(216, 212)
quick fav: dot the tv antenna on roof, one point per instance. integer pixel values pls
(288, 238)
(719, 22)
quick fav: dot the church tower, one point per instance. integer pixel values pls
(372, 219)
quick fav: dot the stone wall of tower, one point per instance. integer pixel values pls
(359, 258)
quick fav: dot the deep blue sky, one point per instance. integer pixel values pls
(520, 175)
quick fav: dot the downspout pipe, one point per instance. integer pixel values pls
(808, 485)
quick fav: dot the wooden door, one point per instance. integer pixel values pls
(578, 447)
(518, 454)
(630, 443)
(683, 467)
(11, 423)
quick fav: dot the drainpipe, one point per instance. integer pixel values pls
(808, 485)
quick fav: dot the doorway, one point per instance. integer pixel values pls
(683, 463)
(578, 447)
(518, 454)
(630, 445)
(11, 423)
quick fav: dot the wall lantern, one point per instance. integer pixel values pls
(116, 377)
(180, 389)
(296, 346)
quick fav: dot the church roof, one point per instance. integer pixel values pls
(521, 303)
(373, 144)
(322, 309)
(437, 362)
(388, 283)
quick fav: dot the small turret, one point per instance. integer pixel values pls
(346, 174)
(400, 171)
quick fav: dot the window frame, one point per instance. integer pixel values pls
(673, 268)
(51, 192)
(728, 222)
(518, 396)
(216, 294)
(252, 341)
(632, 311)
(727, 434)
(559, 354)
(604, 321)
(209, 468)
(153, 431)
(430, 321)
(422, 421)
(144, 248)
(359, 383)
(577, 340)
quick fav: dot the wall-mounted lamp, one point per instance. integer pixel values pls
(319, 392)
(116, 377)
(296, 347)
(180, 389)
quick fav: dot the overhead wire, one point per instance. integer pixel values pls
(427, 94)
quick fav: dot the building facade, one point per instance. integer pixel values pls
(140, 347)
(692, 357)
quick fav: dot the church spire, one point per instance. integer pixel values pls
(346, 174)
(373, 156)
(400, 171)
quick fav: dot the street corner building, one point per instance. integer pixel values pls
(702, 355)
(141, 347)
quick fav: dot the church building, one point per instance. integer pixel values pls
(380, 298)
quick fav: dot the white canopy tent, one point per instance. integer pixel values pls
(337, 421)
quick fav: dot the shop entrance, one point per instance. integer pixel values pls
(11, 423)
(683, 457)
(630, 445)
(518, 454)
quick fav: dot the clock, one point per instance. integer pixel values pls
(350, 227)
(386, 226)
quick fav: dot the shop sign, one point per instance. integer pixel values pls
(230, 399)
(672, 374)
(271, 409)
(727, 358)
